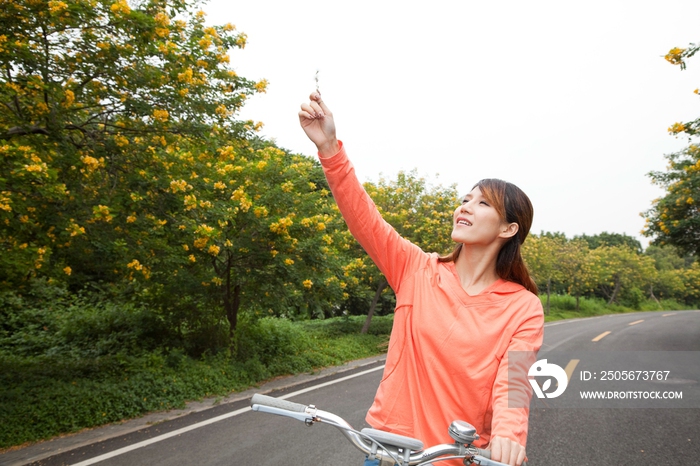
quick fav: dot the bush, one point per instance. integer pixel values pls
(47, 320)
(51, 394)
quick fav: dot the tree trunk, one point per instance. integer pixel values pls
(651, 295)
(615, 291)
(232, 302)
(382, 284)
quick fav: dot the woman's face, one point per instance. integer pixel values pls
(476, 221)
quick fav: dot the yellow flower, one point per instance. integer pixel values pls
(219, 185)
(192, 258)
(287, 186)
(162, 18)
(214, 250)
(91, 162)
(67, 270)
(120, 6)
(308, 284)
(131, 218)
(56, 7)
(35, 167)
(261, 86)
(201, 242)
(101, 212)
(179, 185)
(70, 98)
(121, 141)
(135, 264)
(222, 111)
(288, 261)
(190, 202)
(185, 76)
(676, 128)
(241, 40)
(161, 115)
(74, 229)
(5, 201)
(674, 56)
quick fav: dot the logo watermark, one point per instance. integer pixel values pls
(604, 379)
(543, 368)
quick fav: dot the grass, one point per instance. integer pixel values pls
(564, 307)
(47, 396)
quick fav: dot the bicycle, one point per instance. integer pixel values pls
(384, 448)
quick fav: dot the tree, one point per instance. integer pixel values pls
(93, 93)
(541, 256)
(419, 212)
(616, 270)
(674, 218)
(611, 239)
(124, 164)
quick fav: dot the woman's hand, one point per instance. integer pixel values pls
(317, 121)
(507, 451)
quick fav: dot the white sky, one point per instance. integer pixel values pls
(570, 101)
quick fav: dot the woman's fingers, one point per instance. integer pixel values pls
(315, 98)
(507, 451)
(311, 110)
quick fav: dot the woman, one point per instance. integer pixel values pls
(457, 317)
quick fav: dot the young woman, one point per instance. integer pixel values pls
(457, 317)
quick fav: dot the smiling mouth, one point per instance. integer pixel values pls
(463, 222)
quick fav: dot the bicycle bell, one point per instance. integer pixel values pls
(463, 432)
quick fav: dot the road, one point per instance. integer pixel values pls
(558, 435)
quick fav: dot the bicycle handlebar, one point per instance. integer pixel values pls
(381, 445)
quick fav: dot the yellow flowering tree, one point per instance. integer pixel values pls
(253, 228)
(420, 212)
(94, 92)
(674, 219)
(619, 271)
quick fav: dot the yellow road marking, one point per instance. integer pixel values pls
(569, 369)
(636, 322)
(601, 336)
(666, 315)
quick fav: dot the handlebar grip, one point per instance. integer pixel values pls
(264, 400)
(487, 454)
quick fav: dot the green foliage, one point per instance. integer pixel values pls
(48, 320)
(420, 212)
(674, 219)
(124, 164)
(49, 395)
(611, 239)
(565, 307)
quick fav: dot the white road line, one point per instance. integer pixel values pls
(177, 432)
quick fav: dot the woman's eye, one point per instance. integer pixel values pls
(485, 203)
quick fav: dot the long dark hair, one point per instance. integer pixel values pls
(513, 205)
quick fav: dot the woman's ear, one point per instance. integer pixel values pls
(508, 230)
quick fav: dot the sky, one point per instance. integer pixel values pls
(571, 101)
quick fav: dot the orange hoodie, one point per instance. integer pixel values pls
(447, 356)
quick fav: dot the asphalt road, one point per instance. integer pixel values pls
(559, 435)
